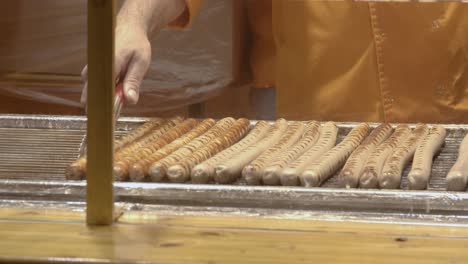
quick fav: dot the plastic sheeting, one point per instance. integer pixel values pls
(49, 37)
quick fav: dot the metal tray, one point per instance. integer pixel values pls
(35, 151)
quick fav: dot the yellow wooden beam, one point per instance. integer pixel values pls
(99, 198)
(52, 236)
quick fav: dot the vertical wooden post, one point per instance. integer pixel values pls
(99, 191)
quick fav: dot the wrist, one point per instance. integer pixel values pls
(124, 23)
(151, 16)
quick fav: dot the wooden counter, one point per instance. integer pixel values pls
(32, 236)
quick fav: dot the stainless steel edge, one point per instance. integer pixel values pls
(270, 200)
(79, 122)
(421, 202)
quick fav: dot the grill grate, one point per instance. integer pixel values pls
(37, 154)
(441, 165)
(44, 153)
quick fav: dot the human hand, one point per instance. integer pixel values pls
(132, 59)
(135, 22)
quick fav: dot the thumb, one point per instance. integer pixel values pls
(84, 78)
(136, 71)
(84, 74)
(84, 94)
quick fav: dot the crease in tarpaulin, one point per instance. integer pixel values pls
(188, 66)
(38, 96)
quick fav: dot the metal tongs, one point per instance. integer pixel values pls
(118, 104)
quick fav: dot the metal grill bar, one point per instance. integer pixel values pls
(35, 150)
(38, 154)
(40, 148)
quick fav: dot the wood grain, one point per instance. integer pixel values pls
(99, 194)
(152, 237)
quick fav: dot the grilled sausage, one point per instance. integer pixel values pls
(121, 167)
(180, 172)
(154, 135)
(289, 176)
(457, 177)
(77, 170)
(351, 172)
(157, 171)
(393, 168)
(420, 173)
(139, 170)
(138, 133)
(271, 174)
(373, 168)
(230, 170)
(253, 172)
(328, 164)
(204, 172)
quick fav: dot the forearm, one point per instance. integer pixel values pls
(151, 15)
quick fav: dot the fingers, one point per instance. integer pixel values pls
(136, 71)
(132, 60)
(121, 59)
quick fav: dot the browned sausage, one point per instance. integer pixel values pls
(457, 177)
(289, 176)
(180, 172)
(420, 173)
(157, 171)
(121, 167)
(154, 135)
(139, 170)
(253, 172)
(271, 175)
(351, 172)
(204, 172)
(393, 168)
(138, 133)
(230, 170)
(328, 164)
(374, 164)
(77, 170)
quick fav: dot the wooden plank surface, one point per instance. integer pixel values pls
(36, 234)
(101, 76)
